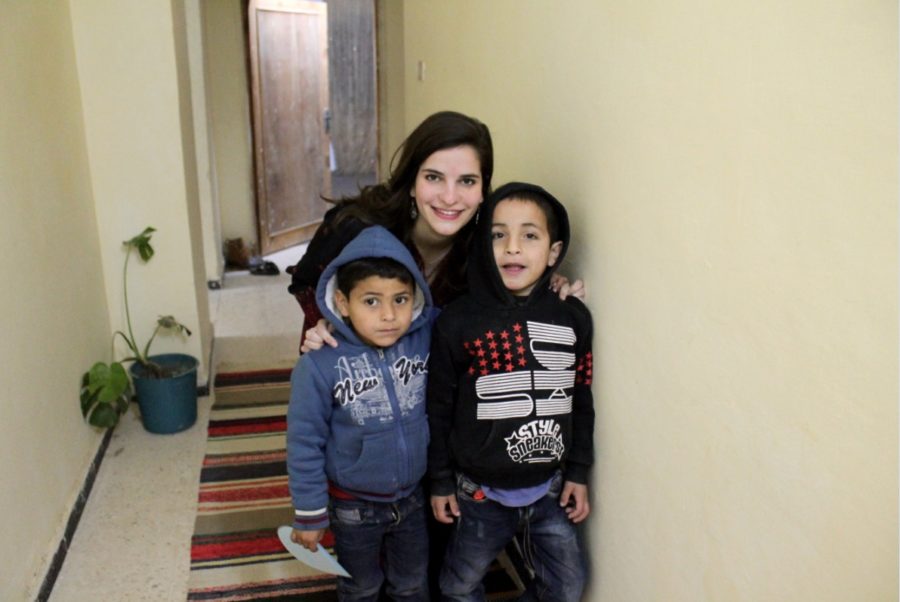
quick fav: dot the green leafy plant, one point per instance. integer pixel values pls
(106, 388)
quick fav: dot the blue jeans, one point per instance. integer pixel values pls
(485, 527)
(378, 542)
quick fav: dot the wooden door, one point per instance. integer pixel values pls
(289, 70)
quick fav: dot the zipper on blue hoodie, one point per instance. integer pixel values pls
(388, 379)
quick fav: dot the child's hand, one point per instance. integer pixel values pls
(318, 336)
(574, 499)
(307, 539)
(445, 508)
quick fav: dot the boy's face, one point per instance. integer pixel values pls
(380, 309)
(522, 245)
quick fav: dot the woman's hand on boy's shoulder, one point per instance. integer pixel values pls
(561, 286)
(574, 498)
(318, 336)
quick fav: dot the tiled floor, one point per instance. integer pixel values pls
(256, 321)
(133, 540)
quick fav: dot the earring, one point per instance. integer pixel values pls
(413, 211)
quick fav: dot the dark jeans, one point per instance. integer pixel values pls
(381, 542)
(485, 527)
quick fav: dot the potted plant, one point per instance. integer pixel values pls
(165, 385)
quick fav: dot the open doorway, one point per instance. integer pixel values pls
(314, 111)
(255, 317)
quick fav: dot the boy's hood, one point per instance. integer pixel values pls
(374, 241)
(485, 282)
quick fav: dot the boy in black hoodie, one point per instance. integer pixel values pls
(509, 403)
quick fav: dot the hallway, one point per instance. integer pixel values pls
(133, 539)
(731, 175)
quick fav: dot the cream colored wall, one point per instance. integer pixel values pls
(229, 111)
(192, 146)
(731, 171)
(54, 304)
(391, 78)
(141, 153)
(213, 260)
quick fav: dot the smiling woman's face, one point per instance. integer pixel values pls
(448, 191)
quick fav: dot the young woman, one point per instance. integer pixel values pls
(442, 174)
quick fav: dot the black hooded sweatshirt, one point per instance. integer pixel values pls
(509, 381)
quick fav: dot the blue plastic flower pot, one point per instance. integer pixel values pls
(168, 405)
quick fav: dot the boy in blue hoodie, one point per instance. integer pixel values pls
(357, 434)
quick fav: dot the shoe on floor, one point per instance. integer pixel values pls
(266, 268)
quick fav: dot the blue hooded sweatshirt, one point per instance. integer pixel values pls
(357, 417)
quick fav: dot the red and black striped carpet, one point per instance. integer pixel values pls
(244, 497)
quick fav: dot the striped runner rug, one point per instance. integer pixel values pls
(244, 497)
